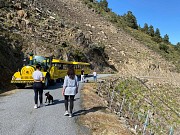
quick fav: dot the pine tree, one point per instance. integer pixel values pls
(104, 4)
(157, 33)
(131, 20)
(151, 31)
(177, 46)
(157, 36)
(145, 28)
(166, 39)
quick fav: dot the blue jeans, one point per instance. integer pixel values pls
(95, 78)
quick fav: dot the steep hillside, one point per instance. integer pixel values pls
(68, 29)
(30, 27)
(125, 53)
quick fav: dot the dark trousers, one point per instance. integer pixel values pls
(38, 90)
(66, 98)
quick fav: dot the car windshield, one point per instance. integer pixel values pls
(39, 60)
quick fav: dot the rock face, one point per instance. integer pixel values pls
(10, 56)
(67, 29)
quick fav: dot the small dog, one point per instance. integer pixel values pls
(49, 97)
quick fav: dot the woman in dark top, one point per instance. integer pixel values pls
(82, 75)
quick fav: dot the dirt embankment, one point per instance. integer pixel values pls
(97, 117)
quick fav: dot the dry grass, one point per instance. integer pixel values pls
(97, 117)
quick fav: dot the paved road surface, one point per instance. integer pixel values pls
(18, 117)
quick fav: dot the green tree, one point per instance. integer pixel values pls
(131, 20)
(157, 33)
(164, 47)
(177, 46)
(157, 36)
(166, 39)
(151, 31)
(104, 5)
(145, 28)
(113, 17)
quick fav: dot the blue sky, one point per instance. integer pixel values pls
(162, 14)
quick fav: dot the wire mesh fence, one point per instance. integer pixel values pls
(148, 109)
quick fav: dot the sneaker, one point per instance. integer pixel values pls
(66, 113)
(35, 107)
(70, 115)
(41, 105)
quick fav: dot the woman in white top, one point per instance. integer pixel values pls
(95, 76)
(70, 89)
(38, 86)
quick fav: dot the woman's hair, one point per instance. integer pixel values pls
(38, 66)
(71, 72)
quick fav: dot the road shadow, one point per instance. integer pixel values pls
(76, 99)
(56, 101)
(85, 111)
(51, 87)
(90, 75)
(55, 86)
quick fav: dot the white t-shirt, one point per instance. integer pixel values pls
(94, 74)
(37, 75)
(70, 85)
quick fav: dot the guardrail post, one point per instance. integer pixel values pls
(111, 100)
(146, 123)
(171, 132)
(121, 107)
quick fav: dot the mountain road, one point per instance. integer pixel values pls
(18, 116)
